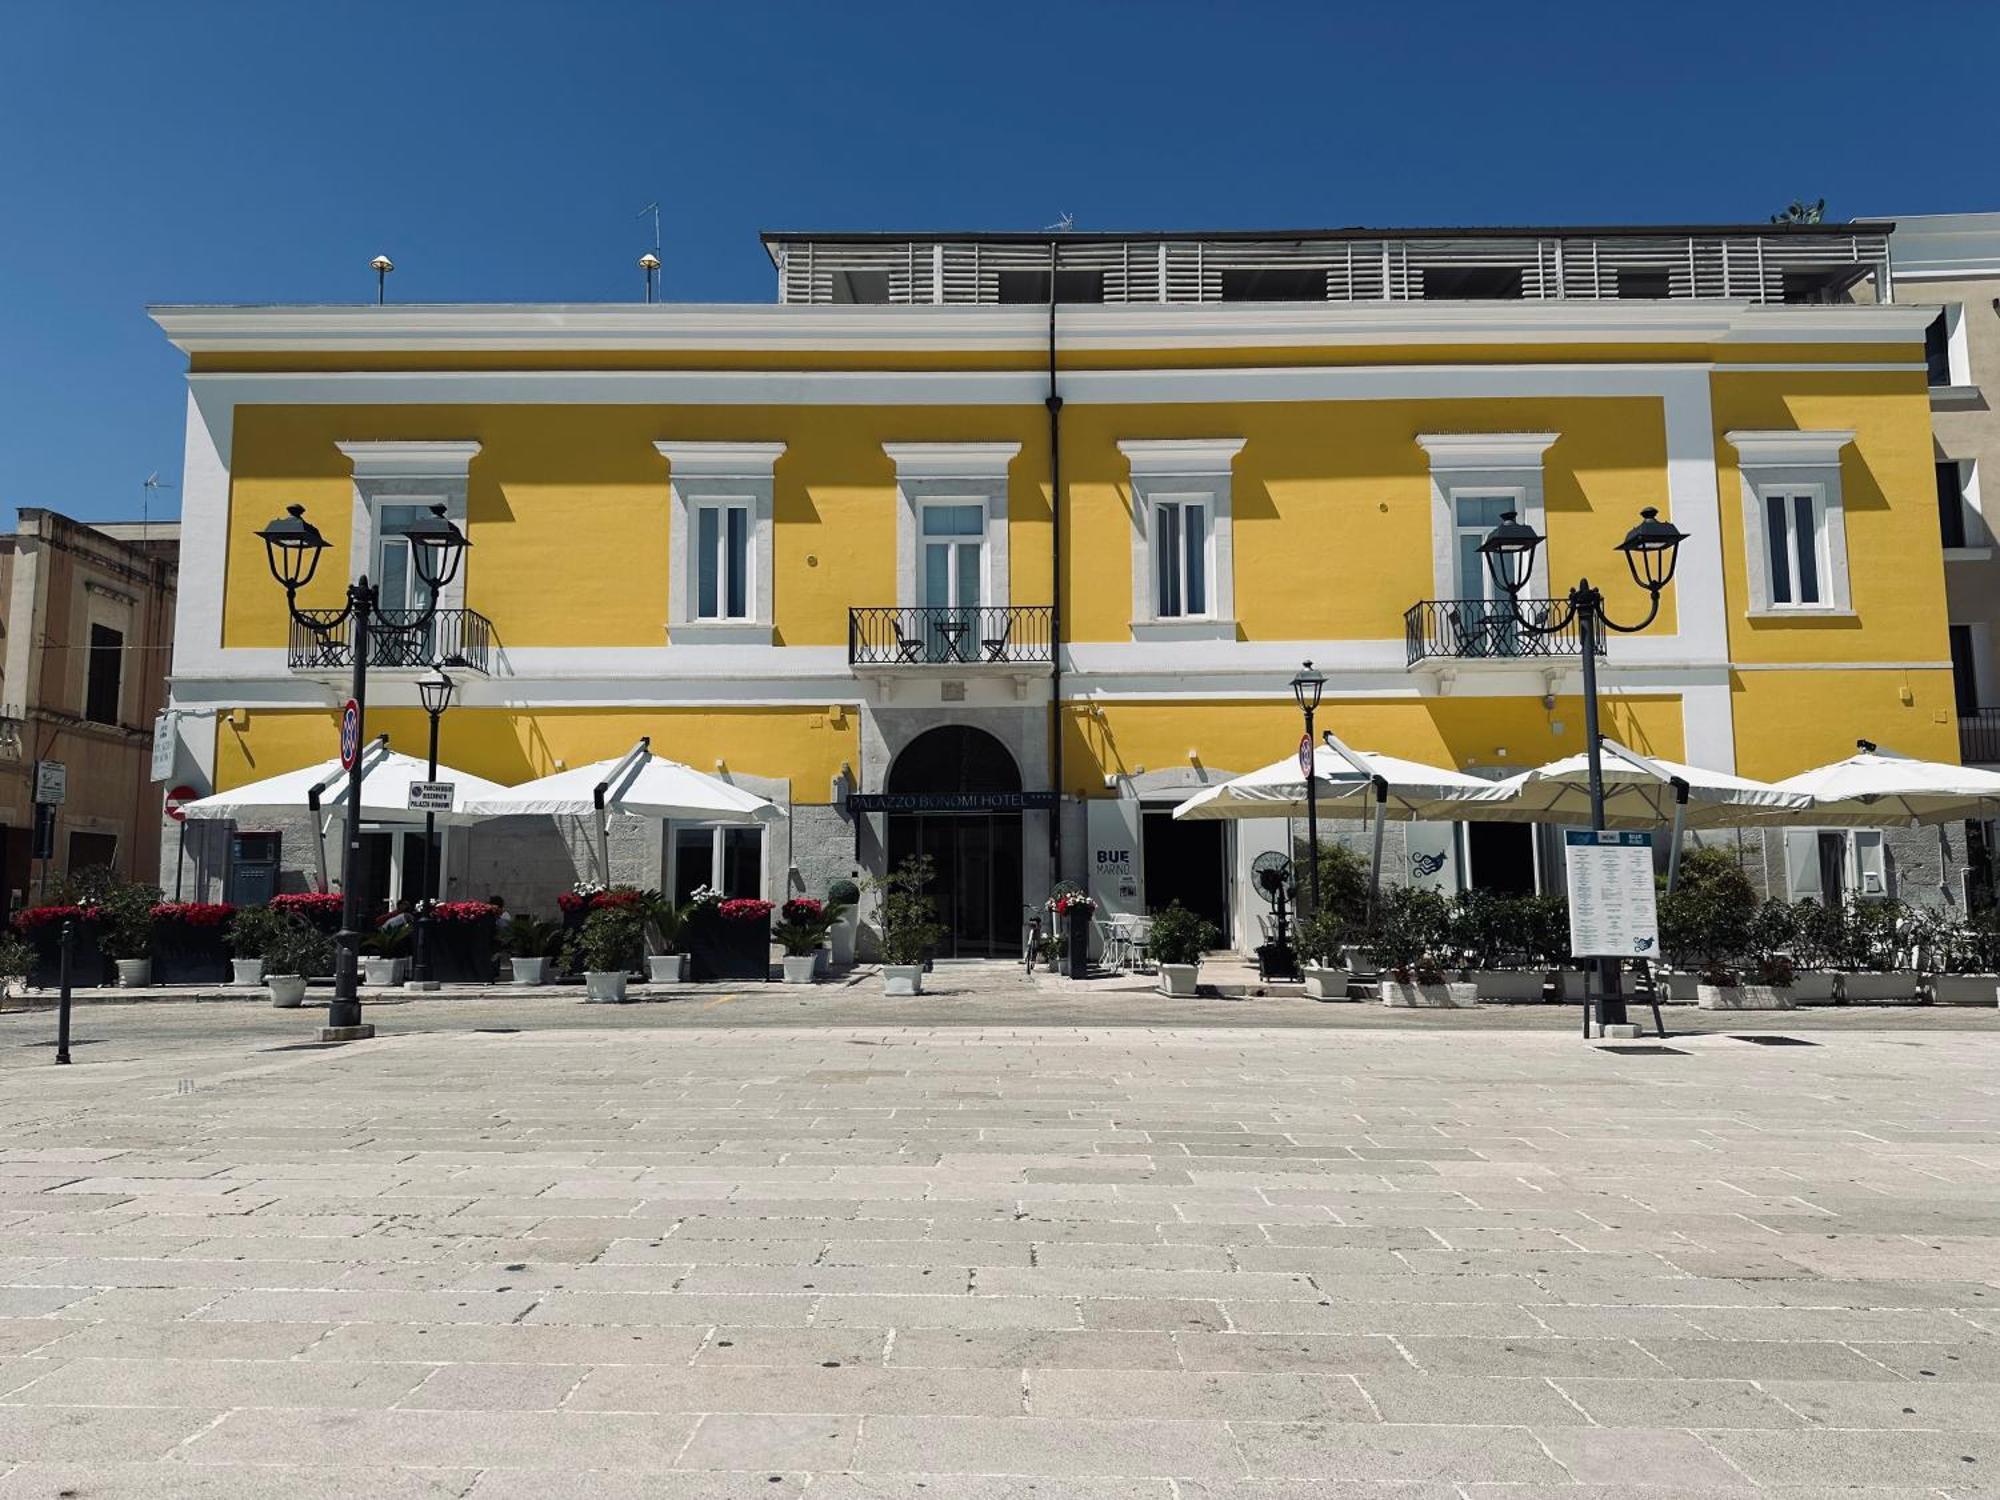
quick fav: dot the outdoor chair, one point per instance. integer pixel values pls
(908, 647)
(1110, 941)
(1138, 939)
(995, 646)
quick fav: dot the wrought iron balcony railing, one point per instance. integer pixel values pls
(1486, 630)
(1979, 736)
(944, 636)
(397, 638)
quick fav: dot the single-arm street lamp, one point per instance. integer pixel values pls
(293, 547)
(436, 695)
(1307, 687)
(1651, 549)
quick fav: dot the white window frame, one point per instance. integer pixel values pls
(1481, 465)
(701, 474)
(1791, 462)
(1822, 552)
(951, 474)
(408, 473)
(1864, 860)
(1461, 586)
(724, 506)
(716, 831)
(926, 540)
(1202, 501)
(1183, 471)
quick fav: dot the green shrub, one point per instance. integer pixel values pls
(1544, 923)
(1412, 934)
(16, 958)
(532, 937)
(1180, 936)
(1705, 925)
(390, 942)
(297, 947)
(125, 920)
(1818, 935)
(1321, 936)
(843, 893)
(1871, 936)
(1772, 942)
(612, 940)
(908, 918)
(253, 929)
(1343, 881)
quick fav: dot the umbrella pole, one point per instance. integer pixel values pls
(1375, 858)
(1674, 849)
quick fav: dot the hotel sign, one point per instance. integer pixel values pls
(951, 801)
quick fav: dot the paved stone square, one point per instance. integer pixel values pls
(1005, 1262)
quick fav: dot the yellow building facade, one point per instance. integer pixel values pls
(849, 553)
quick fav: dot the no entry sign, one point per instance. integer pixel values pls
(177, 801)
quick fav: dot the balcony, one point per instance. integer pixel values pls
(398, 639)
(1464, 630)
(1979, 736)
(913, 637)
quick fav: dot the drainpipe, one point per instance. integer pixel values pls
(1054, 404)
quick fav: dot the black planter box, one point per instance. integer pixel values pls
(88, 967)
(190, 955)
(728, 949)
(1076, 942)
(462, 952)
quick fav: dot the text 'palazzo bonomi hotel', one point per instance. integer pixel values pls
(938, 561)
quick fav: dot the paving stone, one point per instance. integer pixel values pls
(195, 1481)
(219, 1383)
(1678, 1402)
(96, 1434)
(1198, 1396)
(1965, 1460)
(1096, 1349)
(490, 1387)
(1052, 1446)
(1314, 1450)
(1332, 1354)
(445, 1438)
(1523, 1401)
(868, 1389)
(1947, 1405)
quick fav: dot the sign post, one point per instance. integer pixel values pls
(175, 807)
(51, 791)
(1613, 913)
(164, 739)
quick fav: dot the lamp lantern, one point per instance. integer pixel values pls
(292, 546)
(1651, 549)
(1509, 550)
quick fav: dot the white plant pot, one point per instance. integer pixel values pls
(288, 991)
(1570, 983)
(842, 937)
(529, 970)
(1512, 986)
(246, 971)
(801, 970)
(1676, 988)
(1877, 989)
(1324, 983)
(1180, 980)
(134, 973)
(1965, 989)
(400, 974)
(1451, 995)
(666, 968)
(1743, 996)
(379, 971)
(604, 988)
(902, 979)
(1815, 986)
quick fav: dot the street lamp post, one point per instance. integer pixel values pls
(1307, 687)
(293, 547)
(1651, 549)
(436, 695)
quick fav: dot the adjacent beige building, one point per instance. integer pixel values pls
(87, 613)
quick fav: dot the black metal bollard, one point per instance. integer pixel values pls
(62, 1002)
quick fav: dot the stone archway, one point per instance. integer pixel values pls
(977, 850)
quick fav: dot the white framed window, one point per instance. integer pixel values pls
(1181, 561)
(951, 534)
(395, 572)
(953, 540)
(1475, 512)
(1476, 477)
(1183, 538)
(395, 485)
(719, 541)
(1796, 555)
(1794, 522)
(722, 562)
(1833, 865)
(728, 858)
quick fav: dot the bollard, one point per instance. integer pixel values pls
(62, 1003)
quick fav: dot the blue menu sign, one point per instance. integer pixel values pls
(1612, 913)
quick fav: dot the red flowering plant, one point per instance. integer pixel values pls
(804, 925)
(1067, 898)
(34, 918)
(203, 914)
(588, 896)
(744, 909)
(321, 908)
(463, 911)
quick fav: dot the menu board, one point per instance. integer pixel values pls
(1612, 913)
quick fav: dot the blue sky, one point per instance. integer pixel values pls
(259, 152)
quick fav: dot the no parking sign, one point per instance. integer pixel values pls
(350, 734)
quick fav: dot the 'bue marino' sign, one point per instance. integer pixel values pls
(951, 801)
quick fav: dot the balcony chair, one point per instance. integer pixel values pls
(995, 646)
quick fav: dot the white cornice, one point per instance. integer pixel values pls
(951, 460)
(784, 328)
(1485, 451)
(691, 460)
(1789, 448)
(1163, 457)
(442, 459)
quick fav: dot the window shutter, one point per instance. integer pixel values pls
(1871, 875)
(1802, 864)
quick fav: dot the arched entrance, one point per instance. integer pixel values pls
(977, 891)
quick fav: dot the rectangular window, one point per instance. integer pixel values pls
(1795, 540)
(1472, 283)
(722, 562)
(1951, 502)
(1274, 284)
(106, 675)
(1937, 350)
(728, 860)
(1635, 285)
(1964, 669)
(1033, 286)
(1180, 559)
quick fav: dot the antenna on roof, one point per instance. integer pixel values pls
(153, 482)
(654, 210)
(1063, 225)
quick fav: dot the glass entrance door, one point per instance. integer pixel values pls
(976, 890)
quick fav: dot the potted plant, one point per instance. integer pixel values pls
(803, 926)
(666, 954)
(16, 959)
(384, 952)
(251, 931)
(1070, 909)
(1410, 943)
(1178, 940)
(607, 948)
(1817, 936)
(1491, 932)
(728, 938)
(41, 927)
(909, 925)
(191, 941)
(1769, 941)
(531, 946)
(125, 932)
(460, 944)
(1956, 956)
(295, 953)
(1049, 949)
(1705, 927)
(322, 909)
(844, 896)
(1322, 940)
(1871, 963)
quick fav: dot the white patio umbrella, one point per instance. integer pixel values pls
(639, 783)
(1877, 788)
(321, 789)
(1350, 783)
